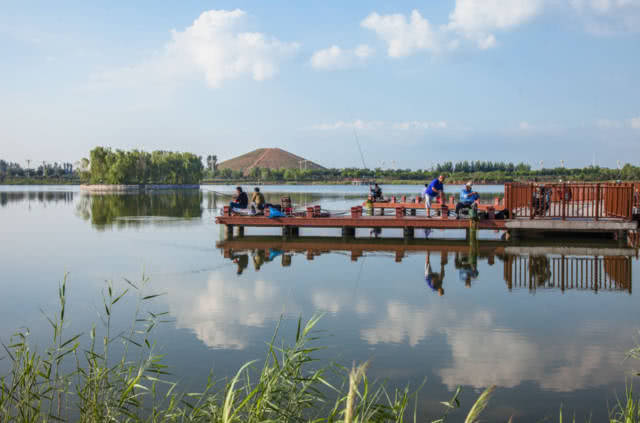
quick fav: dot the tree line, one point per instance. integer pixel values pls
(9, 170)
(488, 172)
(107, 166)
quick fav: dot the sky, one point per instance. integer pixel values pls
(417, 83)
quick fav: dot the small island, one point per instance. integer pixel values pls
(125, 171)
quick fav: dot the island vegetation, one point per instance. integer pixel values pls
(107, 166)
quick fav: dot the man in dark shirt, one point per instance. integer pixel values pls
(241, 199)
(376, 192)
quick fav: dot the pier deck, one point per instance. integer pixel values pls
(533, 211)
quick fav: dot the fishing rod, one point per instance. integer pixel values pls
(364, 165)
(355, 133)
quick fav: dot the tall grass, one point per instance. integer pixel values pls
(82, 377)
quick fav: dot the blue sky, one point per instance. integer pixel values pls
(420, 82)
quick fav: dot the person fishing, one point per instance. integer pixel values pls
(432, 191)
(257, 199)
(467, 198)
(376, 192)
(241, 200)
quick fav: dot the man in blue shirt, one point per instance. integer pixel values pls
(432, 191)
(467, 198)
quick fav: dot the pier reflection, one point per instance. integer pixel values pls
(580, 267)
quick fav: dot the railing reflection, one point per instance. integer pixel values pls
(533, 268)
(611, 273)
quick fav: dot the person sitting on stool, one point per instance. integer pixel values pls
(258, 199)
(241, 200)
(467, 198)
(376, 192)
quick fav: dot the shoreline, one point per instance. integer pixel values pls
(136, 188)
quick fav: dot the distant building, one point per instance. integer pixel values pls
(268, 158)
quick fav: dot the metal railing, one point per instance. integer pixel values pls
(581, 273)
(570, 200)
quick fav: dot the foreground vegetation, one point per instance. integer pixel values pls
(108, 378)
(71, 381)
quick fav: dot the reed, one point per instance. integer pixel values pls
(84, 377)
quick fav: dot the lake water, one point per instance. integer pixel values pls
(547, 327)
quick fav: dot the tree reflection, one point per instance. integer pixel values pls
(126, 210)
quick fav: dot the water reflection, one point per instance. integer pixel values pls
(536, 271)
(42, 197)
(468, 336)
(603, 268)
(131, 210)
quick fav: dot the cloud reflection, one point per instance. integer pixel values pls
(221, 312)
(484, 353)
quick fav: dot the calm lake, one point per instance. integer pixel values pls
(550, 327)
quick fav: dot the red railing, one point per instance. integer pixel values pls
(570, 201)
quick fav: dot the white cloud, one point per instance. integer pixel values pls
(608, 124)
(477, 19)
(633, 123)
(357, 124)
(363, 51)
(607, 17)
(414, 124)
(371, 125)
(403, 36)
(335, 57)
(525, 126)
(213, 46)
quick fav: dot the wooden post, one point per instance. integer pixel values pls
(310, 212)
(228, 231)
(597, 212)
(444, 210)
(348, 231)
(399, 212)
(408, 232)
(240, 231)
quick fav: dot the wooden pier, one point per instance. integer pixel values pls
(569, 209)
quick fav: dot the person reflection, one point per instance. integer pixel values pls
(434, 280)
(468, 267)
(242, 260)
(375, 232)
(540, 269)
(258, 259)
